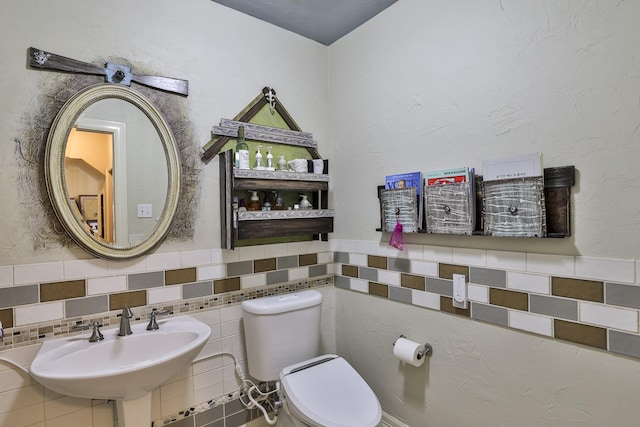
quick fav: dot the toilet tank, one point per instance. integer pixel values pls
(280, 331)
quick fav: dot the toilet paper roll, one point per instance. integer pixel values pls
(407, 351)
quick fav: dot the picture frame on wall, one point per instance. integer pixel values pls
(91, 212)
(89, 207)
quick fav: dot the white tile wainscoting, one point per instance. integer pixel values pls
(492, 275)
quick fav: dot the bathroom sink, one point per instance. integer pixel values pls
(120, 368)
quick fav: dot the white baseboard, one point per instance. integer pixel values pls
(389, 421)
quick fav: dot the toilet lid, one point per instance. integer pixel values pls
(326, 391)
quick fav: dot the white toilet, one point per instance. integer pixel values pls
(282, 335)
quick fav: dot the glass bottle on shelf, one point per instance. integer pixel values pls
(242, 151)
(266, 204)
(279, 205)
(254, 203)
(282, 164)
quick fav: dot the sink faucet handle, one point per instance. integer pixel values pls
(96, 335)
(83, 326)
(153, 323)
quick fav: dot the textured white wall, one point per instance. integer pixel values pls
(228, 57)
(440, 84)
(479, 374)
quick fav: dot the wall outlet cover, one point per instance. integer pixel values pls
(459, 291)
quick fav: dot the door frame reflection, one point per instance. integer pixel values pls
(115, 208)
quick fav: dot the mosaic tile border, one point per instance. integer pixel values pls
(37, 333)
(227, 409)
(36, 293)
(215, 410)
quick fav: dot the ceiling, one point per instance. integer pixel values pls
(324, 21)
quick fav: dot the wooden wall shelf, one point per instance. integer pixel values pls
(266, 120)
(250, 179)
(274, 223)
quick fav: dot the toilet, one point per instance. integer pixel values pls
(282, 336)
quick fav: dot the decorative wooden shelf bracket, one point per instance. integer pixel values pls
(228, 129)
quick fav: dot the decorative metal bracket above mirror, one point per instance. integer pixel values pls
(114, 73)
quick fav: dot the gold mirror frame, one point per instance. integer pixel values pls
(55, 176)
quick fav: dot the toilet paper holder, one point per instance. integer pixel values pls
(425, 352)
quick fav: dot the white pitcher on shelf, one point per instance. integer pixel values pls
(305, 203)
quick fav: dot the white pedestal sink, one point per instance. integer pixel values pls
(124, 369)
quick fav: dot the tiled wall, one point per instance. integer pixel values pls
(41, 301)
(587, 301)
(229, 414)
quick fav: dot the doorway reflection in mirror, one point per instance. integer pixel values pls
(115, 153)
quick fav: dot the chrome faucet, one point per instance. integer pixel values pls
(153, 323)
(125, 325)
(96, 335)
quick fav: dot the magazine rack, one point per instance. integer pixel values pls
(514, 208)
(551, 206)
(400, 205)
(450, 208)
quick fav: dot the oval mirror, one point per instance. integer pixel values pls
(112, 169)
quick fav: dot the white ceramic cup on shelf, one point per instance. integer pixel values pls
(318, 166)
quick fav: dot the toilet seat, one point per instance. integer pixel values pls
(327, 392)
